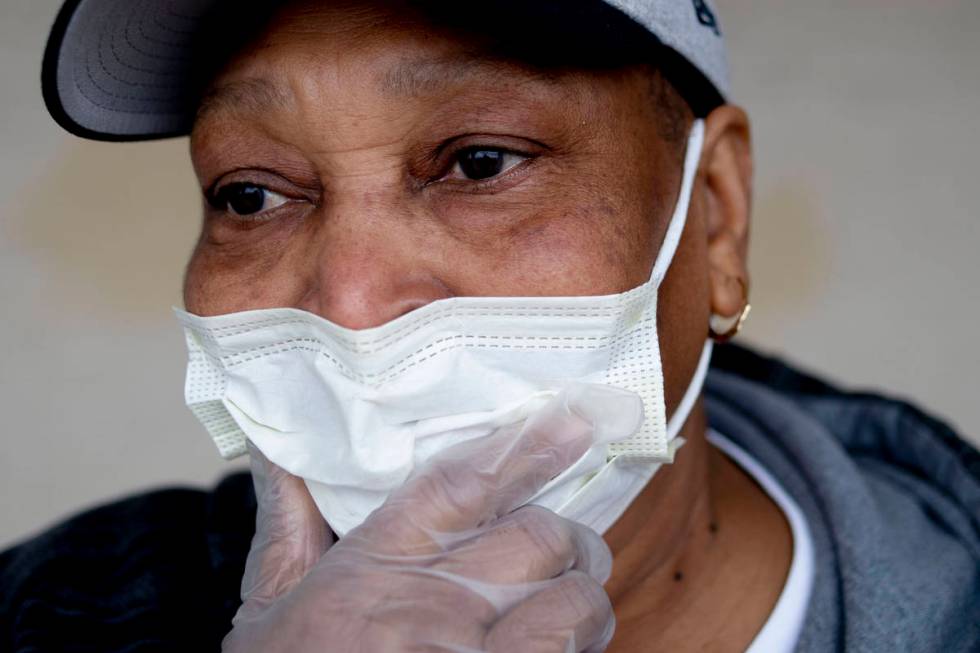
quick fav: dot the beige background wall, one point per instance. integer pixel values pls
(865, 255)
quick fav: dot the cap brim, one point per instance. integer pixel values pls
(119, 70)
(130, 70)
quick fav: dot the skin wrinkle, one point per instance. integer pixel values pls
(245, 95)
(377, 232)
(412, 77)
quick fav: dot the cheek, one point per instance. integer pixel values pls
(196, 283)
(583, 246)
(211, 288)
(221, 280)
(575, 228)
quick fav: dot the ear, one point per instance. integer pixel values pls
(726, 175)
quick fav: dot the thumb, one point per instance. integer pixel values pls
(290, 536)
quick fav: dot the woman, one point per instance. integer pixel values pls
(456, 271)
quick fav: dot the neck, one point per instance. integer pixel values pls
(665, 530)
(701, 543)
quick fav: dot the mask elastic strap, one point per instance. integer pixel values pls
(683, 410)
(671, 240)
(676, 227)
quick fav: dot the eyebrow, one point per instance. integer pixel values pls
(250, 95)
(414, 77)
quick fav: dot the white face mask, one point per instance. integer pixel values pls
(354, 412)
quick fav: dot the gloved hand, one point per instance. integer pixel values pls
(447, 563)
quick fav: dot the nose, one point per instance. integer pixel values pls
(369, 268)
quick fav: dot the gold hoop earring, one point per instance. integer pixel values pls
(722, 329)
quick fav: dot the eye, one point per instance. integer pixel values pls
(480, 163)
(245, 199)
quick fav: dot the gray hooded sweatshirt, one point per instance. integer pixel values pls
(891, 496)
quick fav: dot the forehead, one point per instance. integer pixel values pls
(394, 49)
(266, 80)
(386, 47)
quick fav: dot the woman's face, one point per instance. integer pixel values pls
(359, 163)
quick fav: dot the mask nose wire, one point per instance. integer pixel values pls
(676, 227)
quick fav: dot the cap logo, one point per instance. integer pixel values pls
(706, 17)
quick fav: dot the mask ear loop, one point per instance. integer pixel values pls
(675, 229)
(672, 239)
(684, 408)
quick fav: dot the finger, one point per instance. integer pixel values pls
(435, 609)
(290, 535)
(529, 545)
(571, 614)
(475, 482)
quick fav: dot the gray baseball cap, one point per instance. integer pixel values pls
(125, 70)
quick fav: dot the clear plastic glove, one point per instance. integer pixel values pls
(447, 563)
